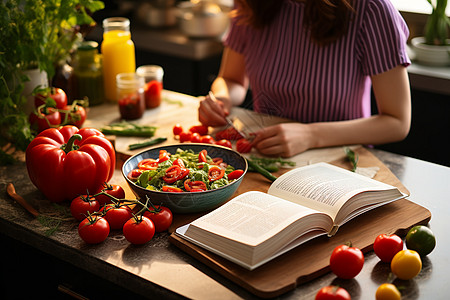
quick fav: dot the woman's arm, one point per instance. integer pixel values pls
(392, 123)
(230, 88)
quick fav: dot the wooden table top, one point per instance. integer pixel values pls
(158, 264)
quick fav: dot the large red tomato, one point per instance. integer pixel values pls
(65, 163)
(346, 262)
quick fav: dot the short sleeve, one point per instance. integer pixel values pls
(236, 37)
(382, 40)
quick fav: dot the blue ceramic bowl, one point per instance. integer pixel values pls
(187, 202)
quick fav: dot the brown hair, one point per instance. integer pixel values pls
(327, 19)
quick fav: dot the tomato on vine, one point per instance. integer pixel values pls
(346, 262)
(332, 292)
(161, 217)
(139, 230)
(113, 190)
(83, 205)
(116, 214)
(93, 229)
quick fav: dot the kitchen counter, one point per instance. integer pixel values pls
(160, 270)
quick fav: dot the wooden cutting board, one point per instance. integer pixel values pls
(293, 268)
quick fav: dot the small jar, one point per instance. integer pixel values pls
(130, 95)
(88, 73)
(153, 84)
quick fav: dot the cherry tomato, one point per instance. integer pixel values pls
(421, 239)
(346, 262)
(207, 139)
(162, 218)
(202, 156)
(82, 206)
(229, 134)
(93, 229)
(163, 155)
(152, 93)
(116, 215)
(194, 185)
(171, 189)
(173, 174)
(134, 174)
(43, 118)
(215, 173)
(406, 264)
(57, 94)
(195, 137)
(243, 146)
(224, 143)
(200, 129)
(73, 115)
(114, 190)
(179, 162)
(177, 129)
(185, 136)
(386, 246)
(332, 292)
(139, 231)
(387, 291)
(148, 164)
(235, 174)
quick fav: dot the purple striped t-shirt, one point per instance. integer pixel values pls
(292, 77)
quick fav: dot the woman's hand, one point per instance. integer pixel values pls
(212, 112)
(285, 139)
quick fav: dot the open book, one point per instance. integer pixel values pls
(306, 202)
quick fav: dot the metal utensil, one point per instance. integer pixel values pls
(227, 118)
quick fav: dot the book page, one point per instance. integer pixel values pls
(322, 187)
(253, 217)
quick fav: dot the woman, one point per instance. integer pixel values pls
(315, 62)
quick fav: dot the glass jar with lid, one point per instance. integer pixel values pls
(88, 73)
(130, 95)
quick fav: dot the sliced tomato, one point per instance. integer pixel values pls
(215, 173)
(173, 189)
(175, 173)
(229, 133)
(148, 164)
(235, 174)
(179, 162)
(202, 156)
(134, 174)
(163, 155)
(243, 146)
(217, 160)
(194, 185)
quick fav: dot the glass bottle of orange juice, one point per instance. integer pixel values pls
(118, 53)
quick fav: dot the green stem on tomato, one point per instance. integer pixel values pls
(70, 144)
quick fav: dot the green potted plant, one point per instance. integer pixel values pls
(434, 47)
(37, 35)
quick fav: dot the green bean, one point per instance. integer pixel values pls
(257, 168)
(147, 143)
(129, 129)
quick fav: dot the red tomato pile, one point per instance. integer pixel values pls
(346, 262)
(52, 110)
(109, 210)
(199, 134)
